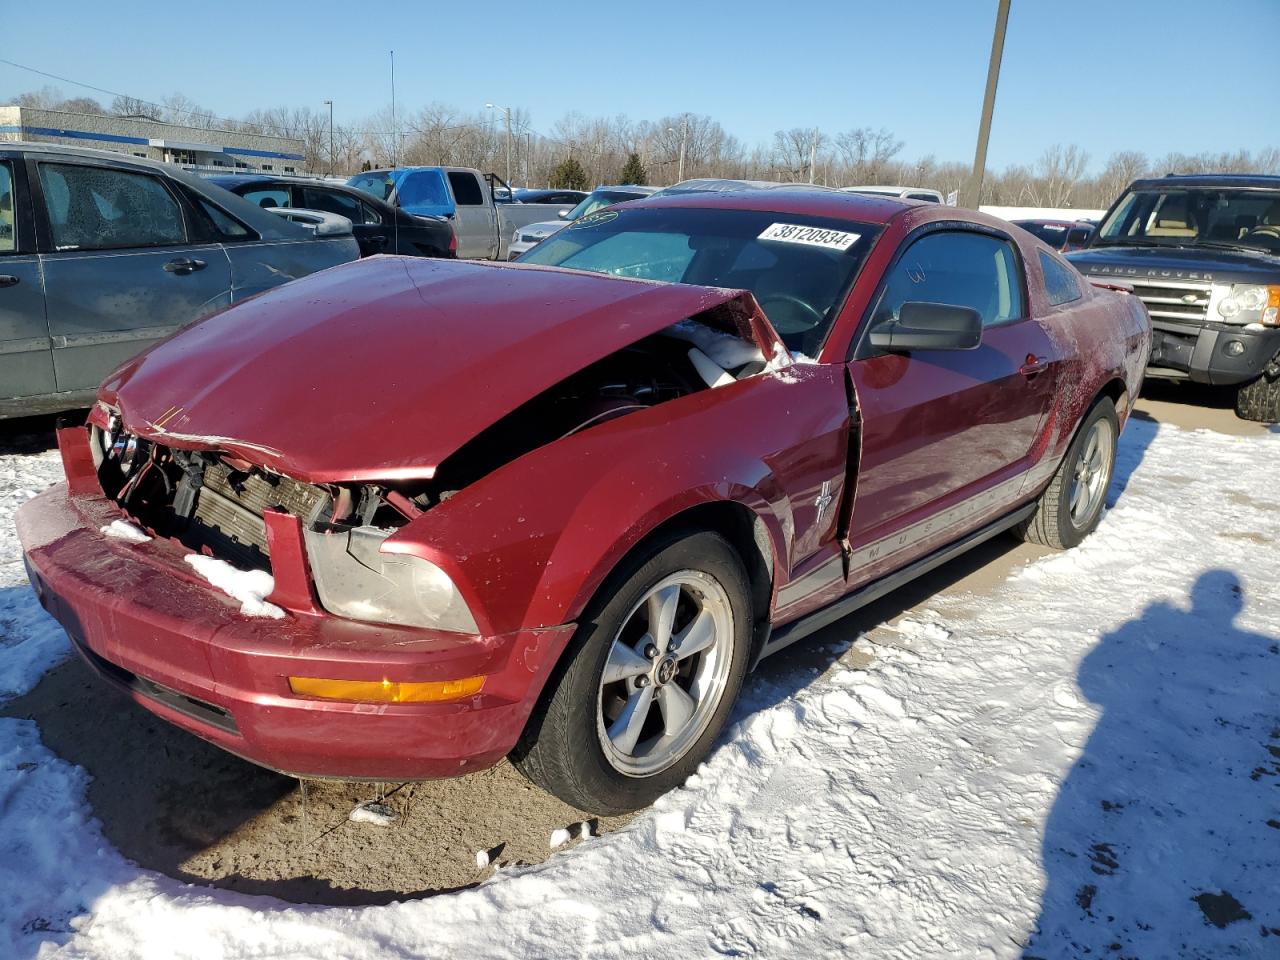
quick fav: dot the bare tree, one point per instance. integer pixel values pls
(866, 152)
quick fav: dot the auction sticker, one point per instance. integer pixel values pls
(810, 236)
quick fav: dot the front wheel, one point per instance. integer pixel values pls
(649, 679)
(1259, 400)
(1071, 506)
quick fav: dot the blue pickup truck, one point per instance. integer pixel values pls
(484, 214)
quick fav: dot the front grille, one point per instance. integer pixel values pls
(1184, 300)
(226, 514)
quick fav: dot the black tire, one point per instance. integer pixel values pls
(561, 749)
(1052, 524)
(1259, 400)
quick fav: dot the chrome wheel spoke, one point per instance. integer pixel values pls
(677, 708)
(625, 731)
(662, 615)
(1077, 494)
(624, 663)
(696, 637)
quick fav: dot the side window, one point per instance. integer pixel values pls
(466, 189)
(330, 201)
(1060, 281)
(96, 208)
(268, 197)
(369, 214)
(228, 227)
(958, 268)
(422, 189)
(8, 235)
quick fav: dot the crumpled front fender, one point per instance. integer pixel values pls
(529, 544)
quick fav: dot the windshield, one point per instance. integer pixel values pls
(799, 268)
(598, 199)
(377, 185)
(1192, 216)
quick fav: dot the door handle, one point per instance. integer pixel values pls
(184, 265)
(1033, 365)
(7, 280)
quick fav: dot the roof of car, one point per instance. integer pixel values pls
(628, 187)
(1209, 180)
(798, 198)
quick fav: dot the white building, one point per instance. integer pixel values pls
(167, 142)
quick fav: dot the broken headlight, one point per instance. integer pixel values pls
(355, 579)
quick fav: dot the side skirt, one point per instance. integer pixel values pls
(796, 630)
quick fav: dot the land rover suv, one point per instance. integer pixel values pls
(1203, 253)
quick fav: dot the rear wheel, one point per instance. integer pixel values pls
(1071, 506)
(649, 680)
(1259, 399)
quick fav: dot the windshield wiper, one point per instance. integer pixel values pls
(1229, 245)
(1129, 242)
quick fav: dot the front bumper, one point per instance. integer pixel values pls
(183, 650)
(517, 247)
(1218, 354)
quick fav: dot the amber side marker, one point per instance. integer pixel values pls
(385, 691)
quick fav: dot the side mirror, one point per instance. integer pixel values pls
(563, 214)
(929, 326)
(1078, 236)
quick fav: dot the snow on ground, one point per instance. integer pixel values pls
(1083, 762)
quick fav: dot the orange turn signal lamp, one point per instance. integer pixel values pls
(385, 691)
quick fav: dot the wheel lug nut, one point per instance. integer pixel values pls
(642, 681)
(651, 651)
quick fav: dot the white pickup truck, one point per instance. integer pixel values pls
(482, 222)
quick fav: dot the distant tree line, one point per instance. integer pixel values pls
(582, 151)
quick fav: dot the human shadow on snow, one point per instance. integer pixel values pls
(1164, 839)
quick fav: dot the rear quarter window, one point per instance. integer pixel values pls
(1061, 282)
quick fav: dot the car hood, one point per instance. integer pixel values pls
(544, 228)
(1178, 263)
(379, 369)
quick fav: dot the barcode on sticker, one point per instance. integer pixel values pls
(811, 236)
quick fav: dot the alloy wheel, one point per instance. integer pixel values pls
(665, 674)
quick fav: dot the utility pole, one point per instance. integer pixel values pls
(394, 131)
(684, 139)
(813, 153)
(507, 112)
(330, 104)
(974, 190)
(528, 157)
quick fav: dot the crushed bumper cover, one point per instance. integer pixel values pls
(183, 650)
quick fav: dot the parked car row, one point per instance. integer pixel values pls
(102, 255)
(555, 510)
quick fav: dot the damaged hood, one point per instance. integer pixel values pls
(380, 369)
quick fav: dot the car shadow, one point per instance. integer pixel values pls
(28, 435)
(1162, 840)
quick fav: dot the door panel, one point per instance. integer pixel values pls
(105, 307)
(944, 425)
(476, 223)
(119, 272)
(948, 435)
(26, 366)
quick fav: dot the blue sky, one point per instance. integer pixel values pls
(1152, 75)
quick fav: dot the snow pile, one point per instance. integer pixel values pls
(250, 587)
(1087, 756)
(124, 530)
(30, 641)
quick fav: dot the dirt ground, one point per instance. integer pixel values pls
(175, 804)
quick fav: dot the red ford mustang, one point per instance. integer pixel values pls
(557, 510)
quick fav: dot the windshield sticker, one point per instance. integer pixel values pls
(594, 220)
(810, 236)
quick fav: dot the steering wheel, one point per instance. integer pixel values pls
(804, 306)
